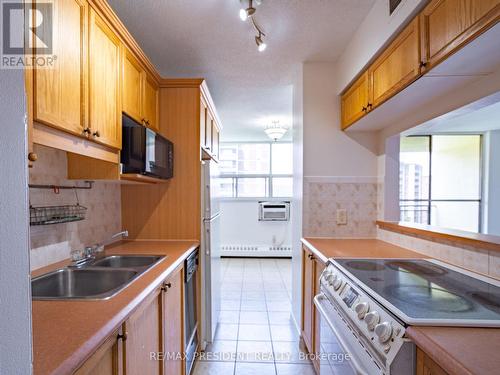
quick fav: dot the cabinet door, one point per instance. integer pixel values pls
(107, 360)
(105, 103)
(173, 322)
(208, 132)
(143, 330)
(355, 101)
(150, 106)
(426, 366)
(203, 122)
(397, 67)
(60, 93)
(318, 269)
(215, 141)
(446, 25)
(308, 273)
(132, 86)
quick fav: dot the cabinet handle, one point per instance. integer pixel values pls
(143, 121)
(86, 131)
(32, 156)
(122, 336)
(96, 134)
(423, 64)
(364, 109)
(166, 286)
(369, 105)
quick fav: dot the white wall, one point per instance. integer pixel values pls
(297, 202)
(328, 151)
(372, 35)
(240, 226)
(15, 293)
(491, 195)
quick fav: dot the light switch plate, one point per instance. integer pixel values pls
(341, 216)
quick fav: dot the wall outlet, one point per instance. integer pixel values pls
(341, 216)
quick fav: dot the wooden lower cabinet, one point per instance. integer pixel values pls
(173, 324)
(426, 366)
(312, 268)
(144, 334)
(150, 341)
(107, 360)
(308, 272)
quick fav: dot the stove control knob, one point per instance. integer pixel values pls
(361, 309)
(330, 278)
(337, 283)
(372, 319)
(383, 331)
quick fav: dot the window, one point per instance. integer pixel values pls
(256, 170)
(440, 181)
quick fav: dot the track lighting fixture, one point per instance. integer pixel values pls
(261, 45)
(249, 12)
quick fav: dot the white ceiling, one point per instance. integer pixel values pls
(480, 120)
(206, 38)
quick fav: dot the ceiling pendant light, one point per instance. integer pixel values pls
(249, 12)
(275, 131)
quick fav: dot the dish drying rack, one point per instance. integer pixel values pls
(48, 215)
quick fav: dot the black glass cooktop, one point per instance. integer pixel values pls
(425, 291)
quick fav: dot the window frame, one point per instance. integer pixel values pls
(429, 201)
(267, 176)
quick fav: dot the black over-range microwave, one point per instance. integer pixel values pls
(145, 152)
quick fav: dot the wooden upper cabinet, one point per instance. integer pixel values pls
(150, 102)
(447, 24)
(144, 331)
(104, 71)
(208, 132)
(215, 141)
(132, 86)
(60, 93)
(203, 121)
(397, 67)
(355, 101)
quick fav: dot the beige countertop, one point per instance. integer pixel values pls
(458, 350)
(66, 333)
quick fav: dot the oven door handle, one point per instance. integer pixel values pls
(319, 302)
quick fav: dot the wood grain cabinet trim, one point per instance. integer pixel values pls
(447, 25)
(107, 359)
(397, 67)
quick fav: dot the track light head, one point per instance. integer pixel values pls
(261, 45)
(247, 12)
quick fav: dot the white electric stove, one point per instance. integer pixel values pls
(365, 306)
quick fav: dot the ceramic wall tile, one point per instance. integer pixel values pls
(322, 200)
(52, 243)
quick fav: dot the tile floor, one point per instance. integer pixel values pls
(256, 334)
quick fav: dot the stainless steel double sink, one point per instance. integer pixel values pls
(98, 280)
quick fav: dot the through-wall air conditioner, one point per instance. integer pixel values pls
(274, 211)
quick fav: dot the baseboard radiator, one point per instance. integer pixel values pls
(256, 251)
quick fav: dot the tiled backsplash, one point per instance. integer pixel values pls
(474, 259)
(52, 243)
(324, 196)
